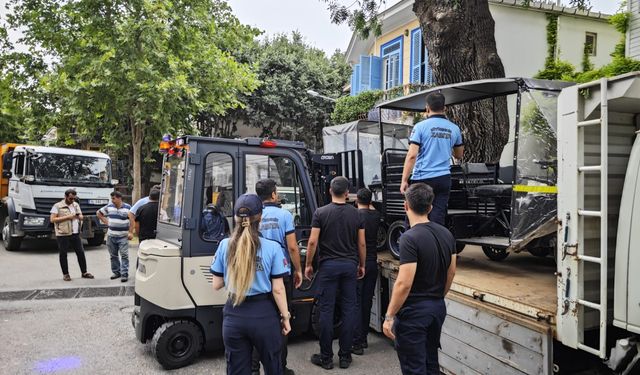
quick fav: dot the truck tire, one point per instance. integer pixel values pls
(393, 236)
(382, 237)
(315, 319)
(177, 343)
(8, 241)
(96, 240)
(494, 253)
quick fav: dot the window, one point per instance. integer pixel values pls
(591, 43)
(170, 211)
(391, 54)
(421, 72)
(289, 188)
(19, 160)
(216, 218)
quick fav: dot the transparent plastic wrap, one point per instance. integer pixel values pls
(365, 136)
(535, 192)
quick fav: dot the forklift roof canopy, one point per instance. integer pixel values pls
(464, 92)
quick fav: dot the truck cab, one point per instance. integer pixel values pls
(176, 306)
(34, 178)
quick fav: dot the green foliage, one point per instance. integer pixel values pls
(287, 67)
(552, 40)
(587, 65)
(556, 70)
(351, 108)
(580, 4)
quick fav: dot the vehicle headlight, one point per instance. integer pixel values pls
(98, 201)
(33, 221)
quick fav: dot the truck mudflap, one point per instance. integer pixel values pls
(479, 338)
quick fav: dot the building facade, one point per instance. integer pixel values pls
(398, 58)
(633, 32)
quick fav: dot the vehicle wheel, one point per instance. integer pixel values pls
(495, 253)
(315, 319)
(96, 240)
(382, 237)
(541, 251)
(8, 241)
(459, 247)
(177, 343)
(393, 236)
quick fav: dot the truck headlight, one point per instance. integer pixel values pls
(33, 221)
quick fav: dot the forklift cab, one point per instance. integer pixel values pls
(176, 306)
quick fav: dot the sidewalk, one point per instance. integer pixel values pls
(36, 267)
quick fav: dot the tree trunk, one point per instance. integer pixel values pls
(459, 35)
(137, 135)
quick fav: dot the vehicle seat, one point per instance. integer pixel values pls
(494, 191)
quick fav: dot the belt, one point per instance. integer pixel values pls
(255, 297)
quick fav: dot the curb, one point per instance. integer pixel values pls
(67, 293)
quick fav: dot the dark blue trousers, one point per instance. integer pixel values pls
(253, 323)
(337, 277)
(441, 186)
(365, 291)
(417, 329)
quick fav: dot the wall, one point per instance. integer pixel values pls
(633, 34)
(571, 36)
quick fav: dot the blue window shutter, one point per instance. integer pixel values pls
(376, 73)
(416, 56)
(356, 70)
(353, 81)
(428, 72)
(365, 73)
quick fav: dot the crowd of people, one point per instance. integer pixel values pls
(250, 264)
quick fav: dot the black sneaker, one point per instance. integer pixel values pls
(316, 359)
(357, 349)
(124, 278)
(288, 371)
(115, 276)
(365, 345)
(345, 361)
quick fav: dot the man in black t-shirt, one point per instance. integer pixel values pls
(367, 285)
(147, 217)
(338, 230)
(417, 310)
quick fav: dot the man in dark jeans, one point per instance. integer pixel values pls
(339, 232)
(428, 159)
(417, 309)
(367, 285)
(66, 217)
(147, 217)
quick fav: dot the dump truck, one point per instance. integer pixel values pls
(34, 178)
(563, 311)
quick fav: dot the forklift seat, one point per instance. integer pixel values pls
(493, 191)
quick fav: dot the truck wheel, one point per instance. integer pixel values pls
(177, 343)
(10, 243)
(315, 319)
(495, 253)
(96, 240)
(459, 247)
(382, 237)
(393, 236)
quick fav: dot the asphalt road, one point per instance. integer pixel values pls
(95, 335)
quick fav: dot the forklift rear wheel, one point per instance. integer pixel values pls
(393, 236)
(337, 319)
(177, 343)
(459, 247)
(382, 237)
(495, 253)
(9, 242)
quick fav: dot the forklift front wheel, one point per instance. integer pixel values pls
(381, 237)
(495, 253)
(393, 237)
(177, 343)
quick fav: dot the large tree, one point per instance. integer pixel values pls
(130, 70)
(281, 107)
(459, 35)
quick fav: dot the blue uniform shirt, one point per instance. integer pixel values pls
(141, 202)
(275, 225)
(435, 136)
(270, 264)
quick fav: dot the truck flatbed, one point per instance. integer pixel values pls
(522, 283)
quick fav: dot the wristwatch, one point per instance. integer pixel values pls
(389, 318)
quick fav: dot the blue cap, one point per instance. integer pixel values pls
(248, 205)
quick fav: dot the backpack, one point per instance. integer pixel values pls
(213, 225)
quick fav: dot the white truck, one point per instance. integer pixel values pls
(580, 312)
(34, 178)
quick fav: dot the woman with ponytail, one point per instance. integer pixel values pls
(251, 268)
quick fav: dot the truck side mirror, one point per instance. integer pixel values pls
(6, 174)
